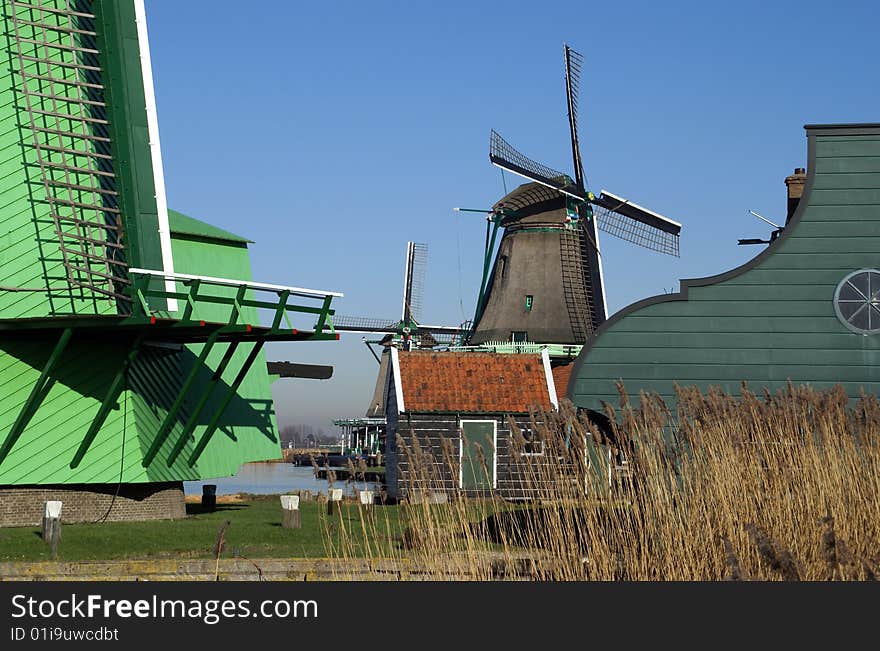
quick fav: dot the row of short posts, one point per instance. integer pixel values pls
(290, 513)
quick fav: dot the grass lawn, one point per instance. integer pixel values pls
(255, 532)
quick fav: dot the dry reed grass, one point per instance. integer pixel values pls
(779, 486)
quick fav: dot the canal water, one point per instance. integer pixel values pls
(274, 478)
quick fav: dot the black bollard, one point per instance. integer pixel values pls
(209, 497)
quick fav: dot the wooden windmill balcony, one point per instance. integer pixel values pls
(296, 314)
(195, 293)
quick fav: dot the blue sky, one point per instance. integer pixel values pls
(331, 133)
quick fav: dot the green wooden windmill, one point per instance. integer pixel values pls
(131, 336)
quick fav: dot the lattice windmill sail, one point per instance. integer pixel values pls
(63, 100)
(614, 215)
(546, 283)
(414, 281)
(118, 367)
(407, 331)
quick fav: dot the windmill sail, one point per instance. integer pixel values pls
(573, 64)
(364, 324)
(407, 325)
(57, 61)
(414, 281)
(629, 221)
(503, 155)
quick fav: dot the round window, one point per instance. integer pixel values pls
(857, 301)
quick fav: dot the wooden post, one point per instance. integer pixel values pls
(209, 497)
(367, 499)
(52, 525)
(290, 518)
(334, 495)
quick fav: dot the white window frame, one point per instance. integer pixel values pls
(531, 454)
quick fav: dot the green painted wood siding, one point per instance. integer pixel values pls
(249, 430)
(44, 451)
(46, 447)
(30, 256)
(771, 320)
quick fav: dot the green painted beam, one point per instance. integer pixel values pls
(230, 394)
(200, 406)
(280, 310)
(323, 316)
(174, 410)
(37, 395)
(487, 259)
(191, 299)
(117, 386)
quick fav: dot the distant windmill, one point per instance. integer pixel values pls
(546, 284)
(406, 332)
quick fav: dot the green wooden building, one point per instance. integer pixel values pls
(806, 309)
(131, 336)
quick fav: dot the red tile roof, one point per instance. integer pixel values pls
(472, 382)
(561, 375)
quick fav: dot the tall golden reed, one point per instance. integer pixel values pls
(781, 486)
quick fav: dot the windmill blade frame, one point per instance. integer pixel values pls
(364, 324)
(414, 281)
(502, 154)
(573, 63)
(629, 221)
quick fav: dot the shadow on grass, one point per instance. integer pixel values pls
(198, 509)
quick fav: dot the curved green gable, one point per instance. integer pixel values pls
(772, 319)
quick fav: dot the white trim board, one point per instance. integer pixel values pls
(601, 272)
(548, 374)
(231, 282)
(637, 206)
(398, 387)
(155, 149)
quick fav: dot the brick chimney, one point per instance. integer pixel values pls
(795, 185)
